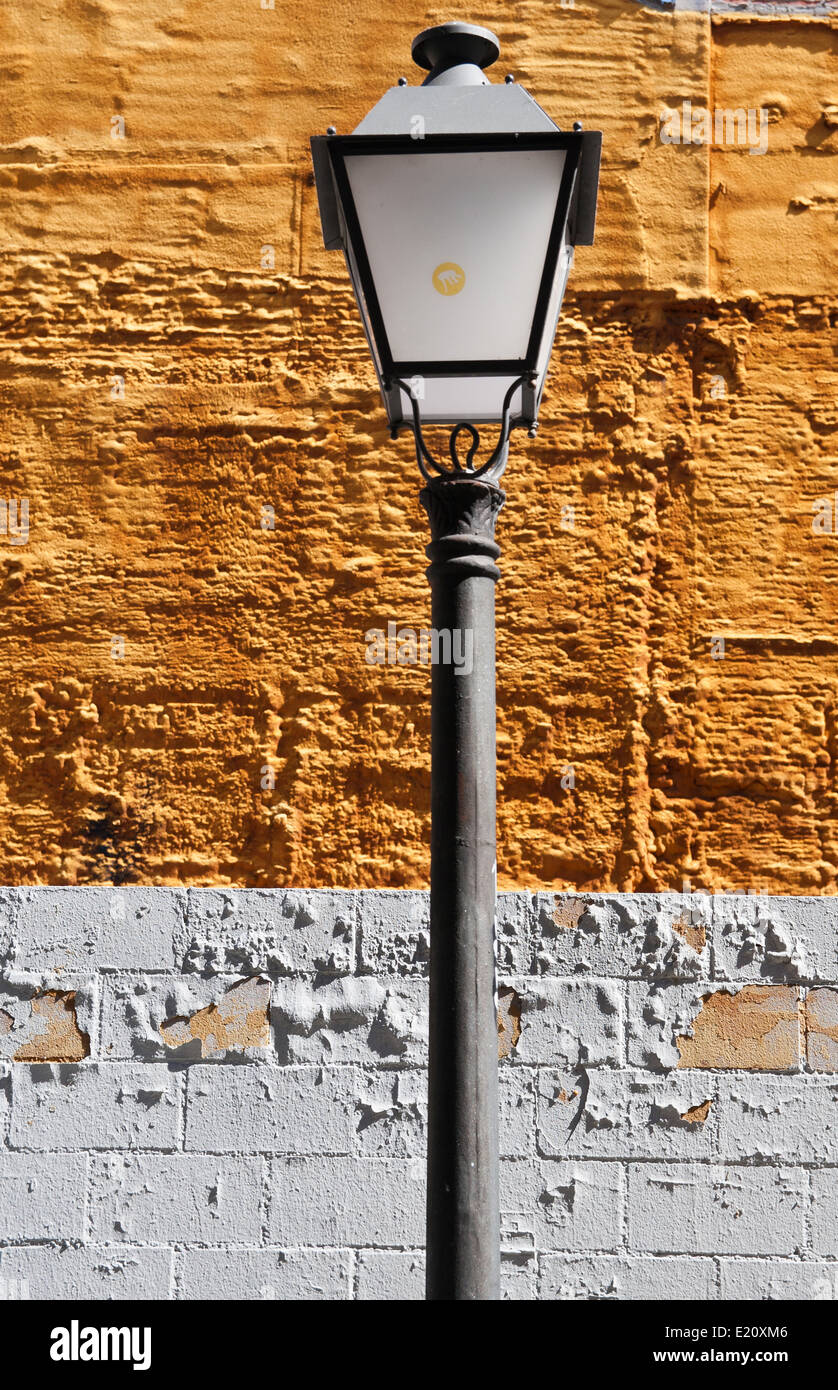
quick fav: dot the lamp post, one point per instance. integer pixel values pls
(457, 205)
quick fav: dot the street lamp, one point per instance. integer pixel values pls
(457, 205)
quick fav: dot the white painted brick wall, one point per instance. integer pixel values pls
(293, 1168)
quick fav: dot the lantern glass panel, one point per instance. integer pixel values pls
(456, 243)
(447, 400)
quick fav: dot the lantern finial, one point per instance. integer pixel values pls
(455, 54)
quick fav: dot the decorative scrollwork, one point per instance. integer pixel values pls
(472, 450)
(496, 462)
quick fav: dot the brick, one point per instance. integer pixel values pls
(94, 1106)
(518, 1277)
(517, 1238)
(378, 1022)
(516, 1102)
(824, 1211)
(628, 1278)
(42, 1196)
(391, 1275)
(8, 912)
(394, 932)
(656, 1015)
(104, 1272)
(654, 935)
(570, 1022)
(318, 1140)
(513, 918)
(154, 1198)
(705, 1209)
(791, 1119)
(570, 933)
(821, 1025)
(762, 1280)
(583, 1114)
(347, 1201)
(239, 1021)
(55, 1035)
(279, 931)
(267, 1275)
(254, 1109)
(782, 939)
(518, 1258)
(673, 1117)
(106, 928)
(391, 1117)
(37, 1020)
(562, 1206)
(625, 1114)
(393, 1111)
(135, 1007)
(754, 1029)
(675, 930)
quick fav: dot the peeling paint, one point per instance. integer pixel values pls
(239, 1020)
(567, 912)
(697, 1114)
(755, 1029)
(769, 943)
(509, 1021)
(59, 1038)
(694, 934)
(668, 950)
(670, 1116)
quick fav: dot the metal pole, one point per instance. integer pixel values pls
(463, 1225)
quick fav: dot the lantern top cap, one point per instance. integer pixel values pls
(448, 46)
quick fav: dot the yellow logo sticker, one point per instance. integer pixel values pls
(449, 278)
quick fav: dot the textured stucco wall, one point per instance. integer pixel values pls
(221, 1093)
(185, 697)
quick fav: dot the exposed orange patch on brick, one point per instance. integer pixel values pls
(757, 1029)
(694, 936)
(697, 1114)
(6, 1022)
(821, 1022)
(509, 1021)
(567, 914)
(61, 1040)
(238, 1020)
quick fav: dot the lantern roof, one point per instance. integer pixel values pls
(458, 99)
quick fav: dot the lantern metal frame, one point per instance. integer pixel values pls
(492, 469)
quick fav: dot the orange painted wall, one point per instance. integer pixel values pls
(690, 422)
